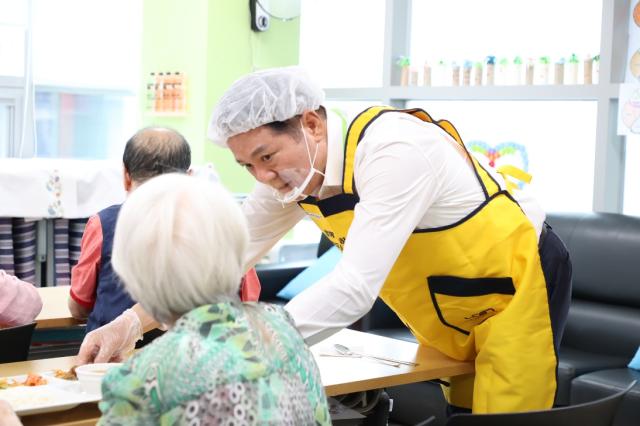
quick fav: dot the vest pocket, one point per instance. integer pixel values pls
(463, 303)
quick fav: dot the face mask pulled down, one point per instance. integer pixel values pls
(292, 177)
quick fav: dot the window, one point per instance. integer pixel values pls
(91, 44)
(471, 30)
(13, 18)
(85, 66)
(557, 148)
(86, 104)
(6, 121)
(89, 126)
(349, 109)
(353, 34)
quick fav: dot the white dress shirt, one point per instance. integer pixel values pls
(408, 174)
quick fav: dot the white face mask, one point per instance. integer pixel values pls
(296, 193)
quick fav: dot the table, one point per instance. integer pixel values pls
(340, 375)
(345, 375)
(55, 310)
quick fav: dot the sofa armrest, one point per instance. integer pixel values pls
(273, 277)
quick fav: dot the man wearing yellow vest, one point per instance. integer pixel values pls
(470, 268)
(421, 223)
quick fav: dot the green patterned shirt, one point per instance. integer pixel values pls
(226, 363)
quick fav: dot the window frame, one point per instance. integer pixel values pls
(12, 95)
(609, 168)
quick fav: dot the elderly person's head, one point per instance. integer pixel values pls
(274, 123)
(179, 243)
(154, 151)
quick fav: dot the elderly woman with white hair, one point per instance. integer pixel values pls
(179, 247)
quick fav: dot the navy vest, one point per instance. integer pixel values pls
(111, 297)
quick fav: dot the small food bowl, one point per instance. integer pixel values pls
(90, 375)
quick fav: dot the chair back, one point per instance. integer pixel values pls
(600, 412)
(15, 342)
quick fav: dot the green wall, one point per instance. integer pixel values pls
(212, 43)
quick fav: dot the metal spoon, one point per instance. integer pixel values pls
(344, 350)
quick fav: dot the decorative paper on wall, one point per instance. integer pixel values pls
(629, 96)
(629, 109)
(506, 153)
(632, 70)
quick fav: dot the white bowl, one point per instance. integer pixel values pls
(90, 376)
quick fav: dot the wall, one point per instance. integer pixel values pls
(212, 43)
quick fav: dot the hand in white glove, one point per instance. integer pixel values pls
(112, 342)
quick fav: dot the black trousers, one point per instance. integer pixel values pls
(557, 270)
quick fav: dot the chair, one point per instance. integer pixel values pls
(15, 342)
(600, 412)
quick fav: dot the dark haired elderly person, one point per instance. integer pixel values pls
(179, 247)
(96, 292)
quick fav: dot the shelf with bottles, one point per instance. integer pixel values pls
(501, 72)
(572, 80)
(480, 93)
(166, 94)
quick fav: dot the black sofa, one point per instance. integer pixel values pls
(273, 277)
(603, 327)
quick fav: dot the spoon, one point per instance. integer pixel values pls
(342, 349)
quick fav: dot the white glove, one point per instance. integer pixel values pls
(112, 342)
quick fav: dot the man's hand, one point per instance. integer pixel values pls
(112, 342)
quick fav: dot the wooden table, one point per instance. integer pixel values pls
(55, 310)
(340, 375)
(345, 375)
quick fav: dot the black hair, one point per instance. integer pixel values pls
(292, 126)
(153, 151)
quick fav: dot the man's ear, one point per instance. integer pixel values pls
(127, 180)
(314, 123)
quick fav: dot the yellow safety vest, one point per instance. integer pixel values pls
(474, 289)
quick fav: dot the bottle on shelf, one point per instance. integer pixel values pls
(151, 92)
(596, 69)
(167, 92)
(503, 72)
(159, 105)
(455, 74)
(529, 72)
(587, 70)
(426, 76)
(477, 74)
(572, 69)
(441, 77)
(542, 72)
(558, 72)
(491, 70)
(403, 62)
(413, 76)
(516, 77)
(178, 92)
(466, 73)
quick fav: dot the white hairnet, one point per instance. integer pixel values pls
(260, 98)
